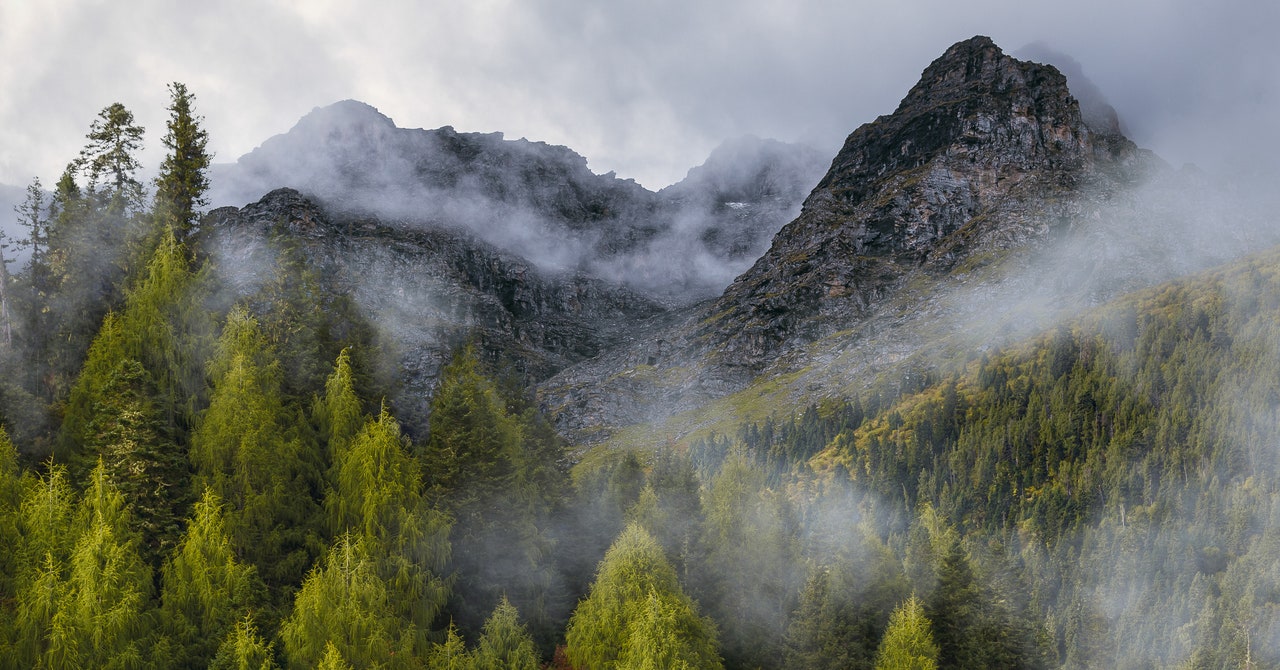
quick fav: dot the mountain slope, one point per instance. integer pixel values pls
(537, 200)
(981, 207)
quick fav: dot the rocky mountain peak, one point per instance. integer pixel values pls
(985, 152)
(985, 156)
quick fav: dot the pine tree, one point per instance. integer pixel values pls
(505, 644)
(207, 591)
(110, 163)
(183, 178)
(908, 642)
(636, 608)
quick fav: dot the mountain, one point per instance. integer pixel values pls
(982, 206)
(422, 292)
(537, 200)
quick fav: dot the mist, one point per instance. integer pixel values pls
(538, 201)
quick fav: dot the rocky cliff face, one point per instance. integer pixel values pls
(985, 153)
(424, 292)
(985, 156)
(536, 200)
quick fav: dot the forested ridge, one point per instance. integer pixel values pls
(190, 480)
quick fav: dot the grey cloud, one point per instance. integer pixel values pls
(644, 89)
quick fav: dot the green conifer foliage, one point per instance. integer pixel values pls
(473, 456)
(635, 610)
(207, 591)
(109, 160)
(339, 413)
(451, 654)
(183, 178)
(244, 649)
(247, 449)
(100, 616)
(344, 603)
(378, 498)
(505, 644)
(908, 642)
(751, 544)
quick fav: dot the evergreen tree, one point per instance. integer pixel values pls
(345, 604)
(505, 644)
(339, 413)
(183, 178)
(129, 433)
(377, 497)
(908, 642)
(244, 649)
(451, 654)
(100, 616)
(636, 609)
(109, 160)
(478, 471)
(248, 449)
(207, 591)
(748, 593)
(473, 453)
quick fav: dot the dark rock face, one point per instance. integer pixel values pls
(984, 155)
(426, 291)
(536, 200)
(985, 152)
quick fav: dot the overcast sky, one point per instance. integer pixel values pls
(645, 88)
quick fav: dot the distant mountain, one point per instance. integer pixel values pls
(537, 200)
(983, 207)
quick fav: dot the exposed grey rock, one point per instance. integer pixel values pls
(426, 291)
(537, 200)
(985, 155)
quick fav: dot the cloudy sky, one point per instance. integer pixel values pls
(644, 88)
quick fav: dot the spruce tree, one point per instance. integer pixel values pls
(908, 642)
(636, 608)
(505, 644)
(344, 603)
(183, 178)
(207, 591)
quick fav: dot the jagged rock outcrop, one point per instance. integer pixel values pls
(424, 292)
(537, 200)
(985, 154)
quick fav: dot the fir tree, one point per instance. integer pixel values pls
(636, 607)
(908, 642)
(505, 644)
(183, 178)
(207, 591)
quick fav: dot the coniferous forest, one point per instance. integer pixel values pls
(188, 481)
